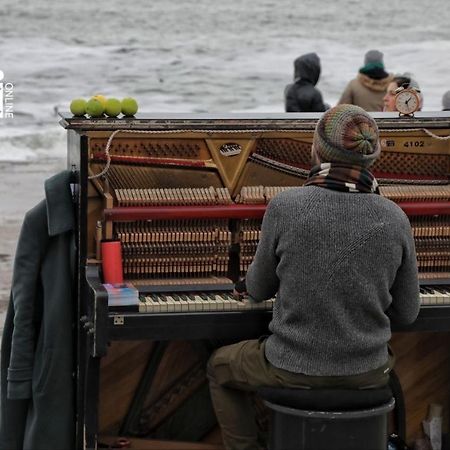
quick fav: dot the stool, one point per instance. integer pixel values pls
(328, 419)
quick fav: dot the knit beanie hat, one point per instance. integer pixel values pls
(446, 101)
(347, 134)
(373, 57)
(373, 65)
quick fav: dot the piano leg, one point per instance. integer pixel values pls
(91, 402)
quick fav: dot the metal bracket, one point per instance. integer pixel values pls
(119, 320)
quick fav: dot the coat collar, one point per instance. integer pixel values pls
(60, 211)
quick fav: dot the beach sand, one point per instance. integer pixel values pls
(21, 187)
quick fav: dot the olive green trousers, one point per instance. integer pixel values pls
(236, 371)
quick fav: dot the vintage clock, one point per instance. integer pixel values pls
(407, 100)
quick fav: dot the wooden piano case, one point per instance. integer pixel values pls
(186, 195)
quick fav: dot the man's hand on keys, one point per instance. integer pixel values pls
(240, 290)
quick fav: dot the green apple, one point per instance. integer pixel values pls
(78, 107)
(129, 106)
(94, 108)
(113, 107)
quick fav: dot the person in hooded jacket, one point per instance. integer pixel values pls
(446, 101)
(369, 87)
(302, 95)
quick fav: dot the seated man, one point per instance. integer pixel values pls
(341, 260)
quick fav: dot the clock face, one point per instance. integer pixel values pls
(407, 101)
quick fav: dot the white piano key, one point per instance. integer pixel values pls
(444, 295)
(142, 305)
(227, 303)
(425, 298)
(192, 307)
(152, 305)
(220, 304)
(198, 302)
(206, 302)
(176, 301)
(161, 299)
(439, 298)
(170, 303)
(247, 304)
(215, 304)
(242, 305)
(147, 304)
(183, 303)
(233, 303)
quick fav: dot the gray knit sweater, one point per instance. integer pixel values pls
(343, 265)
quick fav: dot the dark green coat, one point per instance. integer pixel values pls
(37, 355)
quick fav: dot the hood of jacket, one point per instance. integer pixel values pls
(374, 85)
(60, 209)
(307, 68)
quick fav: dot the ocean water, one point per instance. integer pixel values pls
(200, 56)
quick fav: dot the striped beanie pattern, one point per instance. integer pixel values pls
(347, 134)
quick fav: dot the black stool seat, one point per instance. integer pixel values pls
(328, 419)
(327, 399)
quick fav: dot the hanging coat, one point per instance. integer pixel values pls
(37, 356)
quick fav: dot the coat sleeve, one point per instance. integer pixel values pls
(262, 280)
(347, 95)
(405, 293)
(25, 285)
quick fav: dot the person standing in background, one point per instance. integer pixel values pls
(302, 95)
(446, 101)
(369, 87)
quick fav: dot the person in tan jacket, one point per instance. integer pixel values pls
(369, 87)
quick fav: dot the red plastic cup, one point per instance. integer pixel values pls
(112, 261)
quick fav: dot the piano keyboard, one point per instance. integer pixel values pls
(198, 302)
(435, 295)
(190, 302)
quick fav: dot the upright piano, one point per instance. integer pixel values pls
(185, 195)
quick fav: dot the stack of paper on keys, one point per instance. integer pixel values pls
(123, 294)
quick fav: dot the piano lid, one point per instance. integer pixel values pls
(241, 121)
